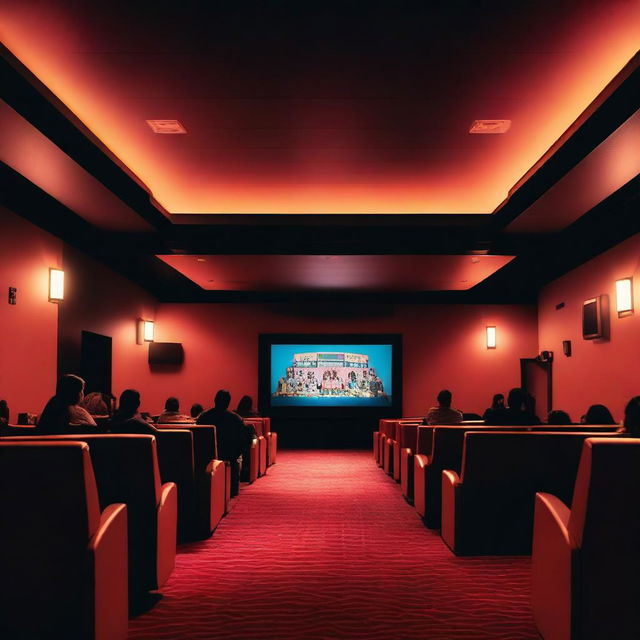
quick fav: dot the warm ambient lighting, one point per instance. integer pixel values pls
(491, 337)
(624, 295)
(145, 331)
(56, 285)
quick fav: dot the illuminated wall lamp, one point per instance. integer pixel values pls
(145, 331)
(624, 296)
(56, 285)
(491, 337)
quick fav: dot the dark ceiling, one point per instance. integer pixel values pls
(324, 129)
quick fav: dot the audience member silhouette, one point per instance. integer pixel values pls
(231, 433)
(127, 419)
(4, 412)
(497, 405)
(196, 410)
(63, 413)
(519, 411)
(245, 408)
(597, 414)
(443, 413)
(631, 424)
(172, 412)
(558, 417)
(96, 404)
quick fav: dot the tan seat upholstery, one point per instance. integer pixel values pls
(489, 508)
(63, 560)
(586, 560)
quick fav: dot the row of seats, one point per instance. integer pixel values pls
(506, 490)
(91, 522)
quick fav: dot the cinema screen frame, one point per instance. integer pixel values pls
(267, 399)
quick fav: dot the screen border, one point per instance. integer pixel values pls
(265, 340)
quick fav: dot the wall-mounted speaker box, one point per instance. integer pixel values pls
(566, 348)
(166, 353)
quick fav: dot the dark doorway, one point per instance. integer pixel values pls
(95, 361)
(536, 380)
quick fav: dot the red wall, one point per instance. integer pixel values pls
(599, 371)
(443, 347)
(28, 330)
(99, 300)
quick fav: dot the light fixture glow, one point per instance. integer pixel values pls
(145, 331)
(624, 295)
(56, 285)
(491, 337)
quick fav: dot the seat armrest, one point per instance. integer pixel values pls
(552, 567)
(421, 460)
(166, 493)
(108, 560)
(450, 496)
(167, 532)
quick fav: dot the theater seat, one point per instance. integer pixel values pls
(126, 470)
(488, 509)
(273, 448)
(406, 437)
(271, 438)
(586, 560)
(63, 562)
(422, 446)
(209, 478)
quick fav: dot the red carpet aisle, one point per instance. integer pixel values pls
(324, 547)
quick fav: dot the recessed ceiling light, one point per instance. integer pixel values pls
(490, 126)
(166, 126)
(201, 259)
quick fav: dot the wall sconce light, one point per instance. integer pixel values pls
(145, 331)
(56, 285)
(624, 296)
(491, 337)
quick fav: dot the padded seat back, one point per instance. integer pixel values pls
(424, 441)
(204, 443)
(257, 424)
(605, 526)
(501, 473)
(126, 470)
(175, 460)
(49, 507)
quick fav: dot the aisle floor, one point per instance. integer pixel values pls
(324, 547)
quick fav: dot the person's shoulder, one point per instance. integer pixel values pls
(204, 416)
(79, 415)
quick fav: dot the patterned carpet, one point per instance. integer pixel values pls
(324, 547)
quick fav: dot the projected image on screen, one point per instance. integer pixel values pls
(331, 375)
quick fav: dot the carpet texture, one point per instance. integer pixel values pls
(324, 547)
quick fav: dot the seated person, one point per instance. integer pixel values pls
(127, 419)
(443, 413)
(631, 424)
(172, 413)
(231, 433)
(4, 412)
(96, 404)
(558, 417)
(63, 413)
(597, 414)
(519, 412)
(196, 410)
(245, 408)
(497, 405)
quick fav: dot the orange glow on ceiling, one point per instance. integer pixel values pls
(323, 153)
(336, 272)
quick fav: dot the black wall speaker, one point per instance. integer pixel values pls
(166, 353)
(566, 348)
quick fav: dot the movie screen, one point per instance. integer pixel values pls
(357, 375)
